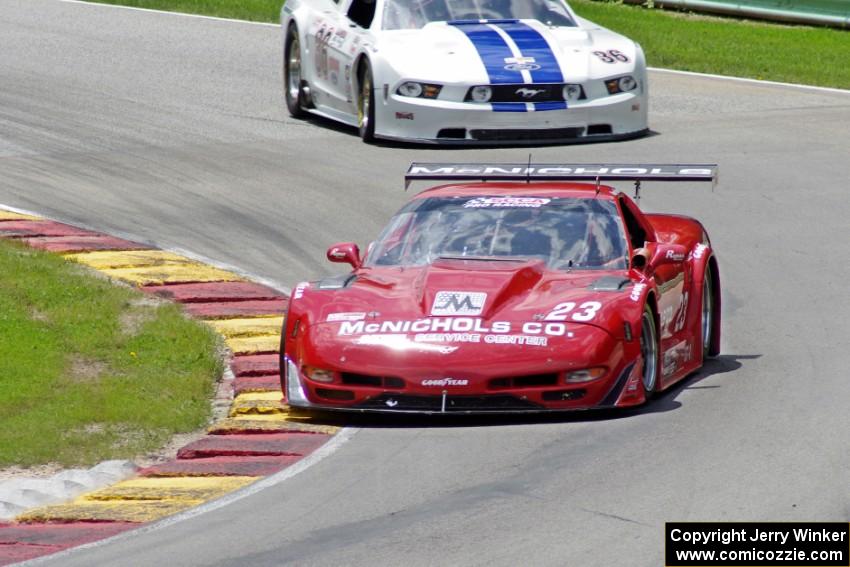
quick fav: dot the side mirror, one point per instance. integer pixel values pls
(345, 252)
(666, 254)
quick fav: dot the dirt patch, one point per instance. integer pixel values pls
(81, 369)
(140, 311)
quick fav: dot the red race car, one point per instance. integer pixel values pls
(517, 290)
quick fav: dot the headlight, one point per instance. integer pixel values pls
(572, 92)
(586, 375)
(319, 374)
(621, 84)
(418, 90)
(481, 93)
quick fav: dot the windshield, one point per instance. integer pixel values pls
(566, 233)
(414, 14)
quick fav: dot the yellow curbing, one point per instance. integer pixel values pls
(110, 259)
(176, 273)
(243, 327)
(270, 423)
(254, 345)
(9, 215)
(82, 510)
(172, 488)
(258, 403)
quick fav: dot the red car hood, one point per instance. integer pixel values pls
(380, 300)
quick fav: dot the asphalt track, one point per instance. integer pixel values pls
(172, 130)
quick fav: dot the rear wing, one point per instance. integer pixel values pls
(528, 172)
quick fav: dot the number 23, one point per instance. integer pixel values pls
(560, 312)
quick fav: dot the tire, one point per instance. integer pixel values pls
(707, 319)
(365, 103)
(649, 352)
(292, 78)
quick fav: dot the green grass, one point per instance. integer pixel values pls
(691, 42)
(675, 40)
(90, 370)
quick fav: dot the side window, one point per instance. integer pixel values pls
(637, 235)
(361, 12)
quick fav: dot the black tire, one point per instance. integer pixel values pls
(649, 352)
(292, 78)
(707, 312)
(365, 103)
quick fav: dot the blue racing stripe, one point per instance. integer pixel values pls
(532, 44)
(509, 107)
(556, 105)
(493, 51)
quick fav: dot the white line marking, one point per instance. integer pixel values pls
(753, 81)
(170, 13)
(322, 452)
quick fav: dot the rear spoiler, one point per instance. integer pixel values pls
(559, 172)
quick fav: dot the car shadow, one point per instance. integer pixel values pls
(663, 402)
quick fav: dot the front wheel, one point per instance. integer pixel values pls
(649, 352)
(292, 75)
(365, 104)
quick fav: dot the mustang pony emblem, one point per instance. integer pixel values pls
(529, 93)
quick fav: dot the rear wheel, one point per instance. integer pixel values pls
(292, 75)
(365, 105)
(707, 326)
(649, 351)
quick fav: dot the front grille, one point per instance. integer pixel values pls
(526, 134)
(336, 395)
(530, 381)
(599, 129)
(564, 395)
(390, 382)
(526, 93)
(452, 133)
(453, 403)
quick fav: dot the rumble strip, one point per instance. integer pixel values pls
(259, 438)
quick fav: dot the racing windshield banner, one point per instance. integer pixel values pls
(560, 172)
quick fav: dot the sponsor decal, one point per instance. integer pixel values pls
(636, 107)
(527, 93)
(559, 170)
(453, 330)
(516, 202)
(442, 382)
(637, 291)
(521, 64)
(671, 255)
(335, 317)
(699, 251)
(458, 303)
(404, 116)
(336, 253)
(391, 403)
(338, 38)
(299, 290)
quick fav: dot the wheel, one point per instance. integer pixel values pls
(707, 326)
(292, 75)
(649, 351)
(365, 106)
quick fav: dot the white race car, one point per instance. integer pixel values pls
(462, 71)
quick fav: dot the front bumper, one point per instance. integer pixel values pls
(625, 391)
(614, 117)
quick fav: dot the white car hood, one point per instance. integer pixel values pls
(447, 54)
